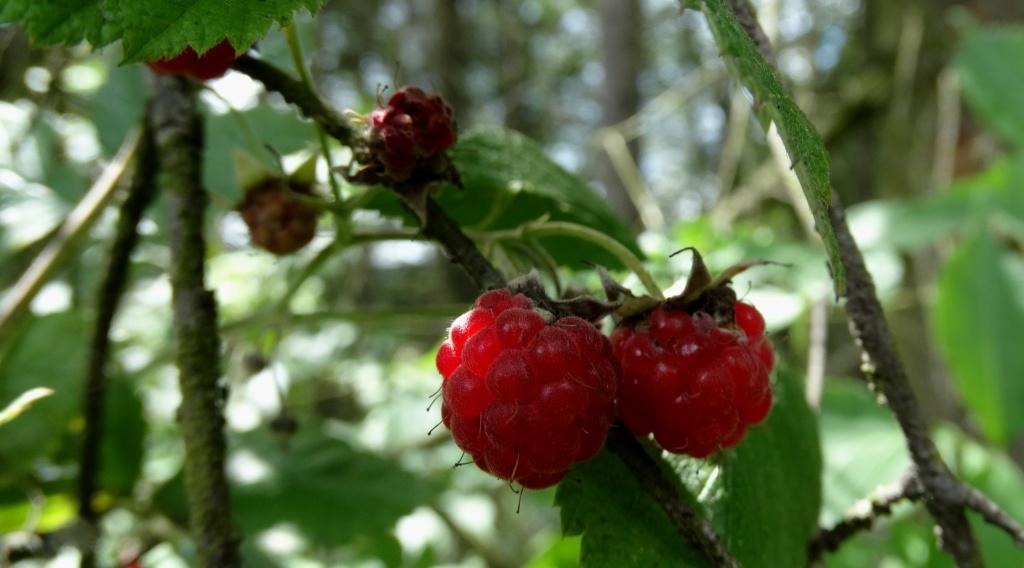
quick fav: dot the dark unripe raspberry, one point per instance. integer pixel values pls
(278, 220)
(212, 64)
(526, 397)
(411, 131)
(694, 385)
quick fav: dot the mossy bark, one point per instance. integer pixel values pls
(179, 137)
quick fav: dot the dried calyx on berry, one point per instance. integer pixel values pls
(211, 64)
(526, 394)
(276, 209)
(407, 138)
(695, 368)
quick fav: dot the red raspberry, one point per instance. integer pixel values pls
(411, 131)
(526, 398)
(694, 385)
(278, 220)
(212, 64)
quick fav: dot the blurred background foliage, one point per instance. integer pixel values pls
(918, 100)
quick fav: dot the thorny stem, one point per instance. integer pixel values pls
(945, 496)
(461, 249)
(178, 131)
(140, 193)
(862, 517)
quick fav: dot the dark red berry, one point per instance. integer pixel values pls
(696, 386)
(211, 64)
(410, 132)
(541, 394)
(279, 220)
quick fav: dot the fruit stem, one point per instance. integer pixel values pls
(295, 47)
(566, 229)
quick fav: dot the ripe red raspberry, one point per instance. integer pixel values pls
(411, 131)
(212, 64)
(694, 385)
(278, 220)
(525, 397)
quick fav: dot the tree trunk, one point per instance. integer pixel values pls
(621, 56)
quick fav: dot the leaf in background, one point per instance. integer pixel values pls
(907, 538)
(991, 70)
(621, 525)
(979, 326)
(49, 353)
(330, 492)
(117, 106)
(863, 447)
(509, 181)
(805, 148)
(285, 131)
(768, 498)
(124, 432)
(998, 477)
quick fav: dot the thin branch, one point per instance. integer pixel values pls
(71, 232)
(178, 130)
(977, 501)
(464, 252)
(862, 517)
(140, 193)
(944, 494)
(298, 94)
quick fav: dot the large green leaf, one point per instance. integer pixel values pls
(124, 432)
(622, 526)
(804, 145)
(509, 181)
(979, 325)
(769, 493)
(991, 68)
(49, 353)
(863, 447)
(907, 538)
(151, 29)
(330, 492)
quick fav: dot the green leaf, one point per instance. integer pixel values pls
(620, 523)
(991, 70)
(510, 181)
(330, 492)
(151, 29)
(124, 432)
(49, 353)
(863, 447)
(69, 22)
(769, 491)
(977, 292)
(907, 537)
(154, 30)
(805, 148)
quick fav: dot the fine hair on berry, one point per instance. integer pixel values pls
(524, 394)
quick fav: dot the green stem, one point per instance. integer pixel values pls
(300, 66)
(566, 229)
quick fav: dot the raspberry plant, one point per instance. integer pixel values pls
(682, 437)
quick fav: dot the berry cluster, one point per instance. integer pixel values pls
(278, 220)
(694, 384)
(212, 64)
(525, 396)
(411, 132)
